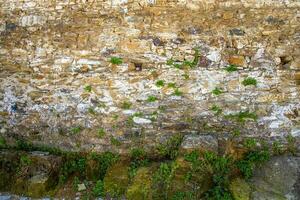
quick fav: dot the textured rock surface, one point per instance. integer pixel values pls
(51, 50)
(277, 179)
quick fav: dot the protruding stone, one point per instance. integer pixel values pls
(200, 142)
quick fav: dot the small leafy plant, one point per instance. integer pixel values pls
(126, 105)
(172, 85)
(76, 130)
(98, 190)
(116, 60)
(88, 88)
(231, 68)
(138, 159)
(216, 109)
(249, 81)
(151, 98)
(170, 148)
(101, 132)
(243, 116)
(160, 83)
(177, 92)
(114, 141)
(217, 91)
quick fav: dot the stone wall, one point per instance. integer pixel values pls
(58, 86)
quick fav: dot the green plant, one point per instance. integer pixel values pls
(151, 99)
(185, 63)
(138, 159)
(104, 161)
(25, 160)
(250, 143)
(98, 190)
(277, 149)
(126, 105)
(2, 142)
(216, 109)
(249, 81)
(73, 164)
(251, 160)
(91, 111)
(101, 132)
(76, 181)
(169, 149)
(236, 133)
(88, 88)
(183, 196)
(217, 91)
(177, 92)
(186, 76)
(114, 141)
(162, 178)
(76, 130)
(221, 167)
(172, 85)
(231, 68)
(243, 116)
(116, 60)
(160, 83)
(291, 146)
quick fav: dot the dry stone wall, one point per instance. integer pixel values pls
(58, 86)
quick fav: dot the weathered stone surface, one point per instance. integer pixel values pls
(277, 179)
(141, 185)
(116, 180)
(240, 189)
(201, 142)
(50, 51)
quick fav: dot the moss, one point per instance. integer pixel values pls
(140, 189)
(240, 189)
(116, 180)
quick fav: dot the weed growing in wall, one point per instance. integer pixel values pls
(88, 88)
(160, 83)
(217, 91)
(231, 68)
(249, 81)
(151, 99)
(116, 60)
(126, 105)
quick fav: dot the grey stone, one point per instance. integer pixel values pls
(5, 197)
(206, 142)
(237, 32)
(279, 178)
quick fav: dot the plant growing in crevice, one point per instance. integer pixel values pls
(98, 190)
(76, 130)
(243, 116)
(101, 132)
(177, 92)
(231, 68)
(126, 105)
(88, 88)
(160, 83)
(277, 148)
(138, 158)
(249, 81)
(114, 141)
(2, 142)
(291, 144)
(172, 85)
(216, 109)
(151, 99)
(251, 160)
(116, 60)
(217, 91)
(169, 149)
(186, 63)
(162, 178)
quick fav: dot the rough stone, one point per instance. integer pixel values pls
(201, 142)
(277, 179)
